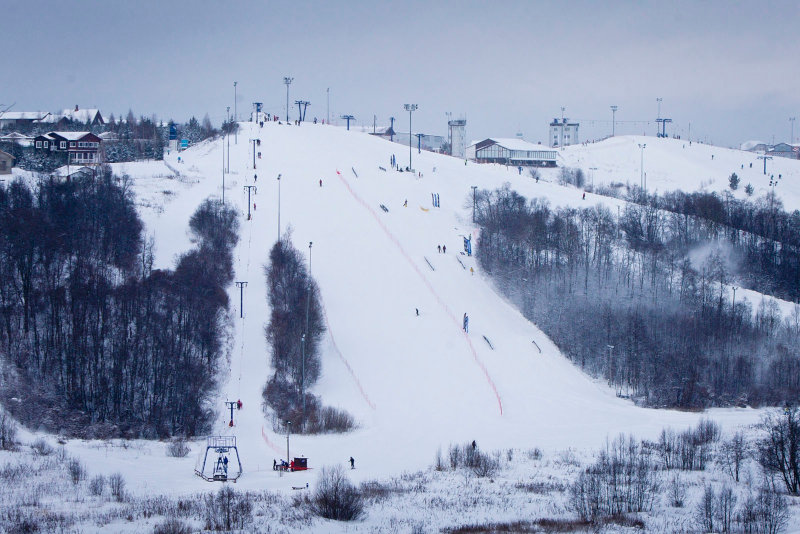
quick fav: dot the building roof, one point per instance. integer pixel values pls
(14, 136)
(24, 115)
(516, 144)
(6, 154)
(70, 136)
(71, 170)
(80, 115)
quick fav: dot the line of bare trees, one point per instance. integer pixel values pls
(99, 342)
(294, 334)
(644, 297)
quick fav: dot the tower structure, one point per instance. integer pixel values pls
(458, 137)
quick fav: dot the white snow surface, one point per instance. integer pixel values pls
(414, 383)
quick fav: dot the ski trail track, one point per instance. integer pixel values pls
(427, 283)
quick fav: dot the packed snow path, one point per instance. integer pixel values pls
(415, 383)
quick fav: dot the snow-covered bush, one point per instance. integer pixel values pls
(116, 483)
(76, 470)
(336, 497)
(228, 510)
(178, 448)
(41, 447)
(97, 485)
(8, 433)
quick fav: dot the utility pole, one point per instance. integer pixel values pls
(613, 120)
(328, 105)
(255, 191)
(279, 207)
(235, 114)
(241, 285)
(254, 151)
(410, 108)
(288, 81)
(474, 200)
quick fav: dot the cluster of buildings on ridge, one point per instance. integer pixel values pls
(79, 148)
(781, 150)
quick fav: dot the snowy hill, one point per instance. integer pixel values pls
(414, 383)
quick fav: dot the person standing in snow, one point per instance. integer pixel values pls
(320, 182)
(466, 323)
(439, 247)
(444, 249)
(352, 463)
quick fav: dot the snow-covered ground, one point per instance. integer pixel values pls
(415, 384)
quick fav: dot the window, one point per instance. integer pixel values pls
(38, 144)
(63, 145)
(2, 165)
(72, 144)
(46, 144)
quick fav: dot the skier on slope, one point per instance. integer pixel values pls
(466, 323)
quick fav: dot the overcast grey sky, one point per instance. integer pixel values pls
(730, 68)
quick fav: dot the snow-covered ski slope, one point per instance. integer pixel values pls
(414, 383)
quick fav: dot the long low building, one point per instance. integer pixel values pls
(511, 152)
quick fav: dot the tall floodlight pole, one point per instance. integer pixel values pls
(279, 207)
(303, 376)
(288, 81)
(474, 200)
(592, 169)
(328, 106)
(613, 120)
(410, 108)
(308, 303)
(241, 285)
(288, 431)
(235, 114)
(642, 146)
(791, 139)
(659, 107)
(228, 165)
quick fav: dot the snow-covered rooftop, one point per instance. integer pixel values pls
(517, 144)
(23, 115)
(70, 136)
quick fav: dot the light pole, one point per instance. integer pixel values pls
(791, 121)
(659, 107)
(328, 105)
(613, 120)
(279, 207)
(235, 114)
(592, 169)
(308, 303)
(303, 379)
(288, 431)
(642, 146)
(474, 200)
(410, 108)
(228, 112)
(288, 81)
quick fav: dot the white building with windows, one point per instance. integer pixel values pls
(515, 152)
(563, 133)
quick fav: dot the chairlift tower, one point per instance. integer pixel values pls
(663, 122)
